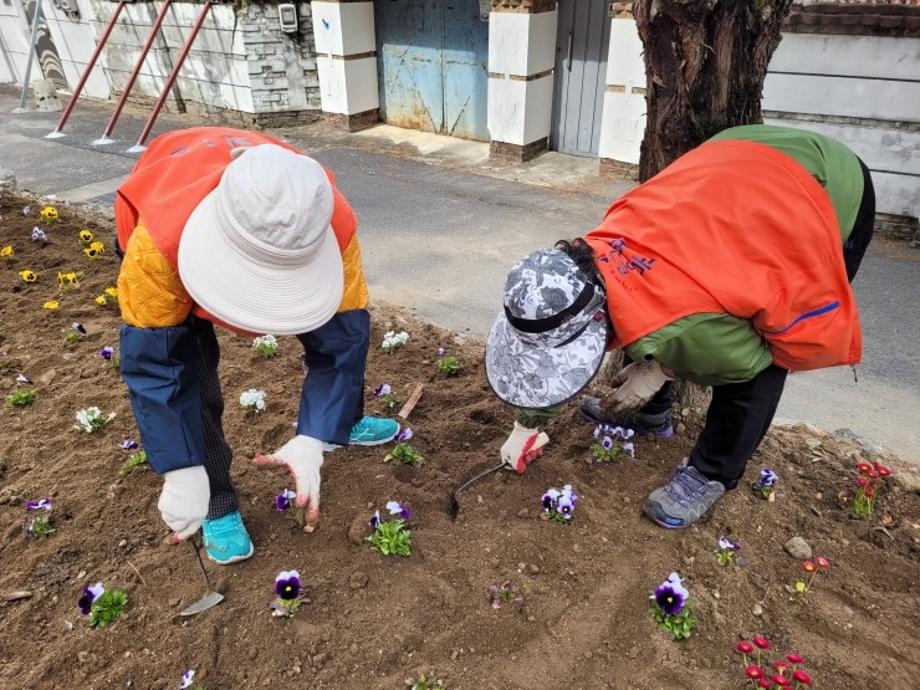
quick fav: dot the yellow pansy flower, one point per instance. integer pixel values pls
(101, 300)
(112, 292)
(49, 214)
(28, 276)
(51, 305)
(92, 252)
(6, 252)
(86, 236)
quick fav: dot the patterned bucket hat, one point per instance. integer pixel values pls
(549, 342)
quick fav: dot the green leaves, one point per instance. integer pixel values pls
(134, 462)
(108, 608)
(679, 626)
(449, 366)
(40, 526)
(389, 402)
(392, 538)
(404, 454)
(602, 454)
(21, 397)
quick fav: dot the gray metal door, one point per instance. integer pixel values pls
(582, 42)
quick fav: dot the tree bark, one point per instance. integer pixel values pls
(705, 63)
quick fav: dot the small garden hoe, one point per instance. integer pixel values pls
(455, 502)
(211, 598)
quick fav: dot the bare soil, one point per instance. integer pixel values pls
(373, 622)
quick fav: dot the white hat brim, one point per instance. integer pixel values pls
(252, 295)
(526, 375)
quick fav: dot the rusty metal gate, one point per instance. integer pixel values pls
(432, 60)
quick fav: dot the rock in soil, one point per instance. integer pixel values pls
(798, 548)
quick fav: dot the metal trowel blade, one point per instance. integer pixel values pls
(209, 600)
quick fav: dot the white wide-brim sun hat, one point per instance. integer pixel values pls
(258, 252)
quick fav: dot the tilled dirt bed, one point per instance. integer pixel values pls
(373, 621)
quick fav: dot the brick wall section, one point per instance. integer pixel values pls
(278, 62)
(854, 20)
(525, 6)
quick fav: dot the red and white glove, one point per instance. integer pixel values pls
(523, 447)
(303, 458)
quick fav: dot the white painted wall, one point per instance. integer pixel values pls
(623, 119)
(342, 30)
(521, 47)
(820, 82)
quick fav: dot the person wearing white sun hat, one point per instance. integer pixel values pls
(237, 228)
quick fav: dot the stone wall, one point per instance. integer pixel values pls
(852, 19)
(241, 68)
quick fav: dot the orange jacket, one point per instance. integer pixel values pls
(739, 228)
(171, 178)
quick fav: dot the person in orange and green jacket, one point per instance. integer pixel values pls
(236, 228)
(729, 268)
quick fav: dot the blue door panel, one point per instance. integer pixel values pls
(432, 62)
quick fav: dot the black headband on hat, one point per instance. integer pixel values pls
(553, 322)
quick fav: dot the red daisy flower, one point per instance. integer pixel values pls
(744, 647)
(754, 672)
(794, 658)
(781, 680)
(802, 677)
(808, 566)
(823, 563)
(761, 642)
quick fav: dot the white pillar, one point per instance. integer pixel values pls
(623, 121)
(346, 60)
(522, 54)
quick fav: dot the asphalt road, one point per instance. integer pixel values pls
(441, 239)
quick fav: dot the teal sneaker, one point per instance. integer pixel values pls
(226, 539)
(373, 431)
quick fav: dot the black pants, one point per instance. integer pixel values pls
(741, 413)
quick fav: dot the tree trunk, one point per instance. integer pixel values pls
(705, 64)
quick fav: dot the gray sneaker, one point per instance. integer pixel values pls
(684, 499)
(643, 424)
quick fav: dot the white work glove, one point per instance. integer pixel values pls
(303, 458)
(634, 386)
(184, 500)
(523, 447)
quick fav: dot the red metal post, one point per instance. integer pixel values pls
(110, 127)
(139, 146)
(89, 68)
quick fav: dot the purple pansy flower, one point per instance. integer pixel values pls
(22, 378)
(566, 505)
(89, 596)
(440, 352)
(78, 327)
(106, 352)
(287, 585)
(374, 522)
(27, 210)
(40, 504)
(404, 435)
(38, 235)
(397, 508)
(598, 430)
(767, 478)
(630, 448)
(549, 499)
(726, 544)
(671, 595)
(187, 679)
(382, 390)
(607, 443)
(284, 500)
(130, 444)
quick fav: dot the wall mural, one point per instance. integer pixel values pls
(48, 58)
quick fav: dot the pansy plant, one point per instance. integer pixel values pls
(389, 401)
(559, 505)
(450, 366)
(39, 235)
(285, 500)
(288, 594)
(102, 606)
(91, 419)
(392, 341)
(20, 397)
(403, 453)
(39, 524)
(612, 443)
(392, 537)
(508, 593)
(727, 551)
(135, 461)
(423, 682)
(49, 214)
(266, 346)
(253, 400)
(669, 605)
(75, 333)
(188, 681)
(765, 485)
